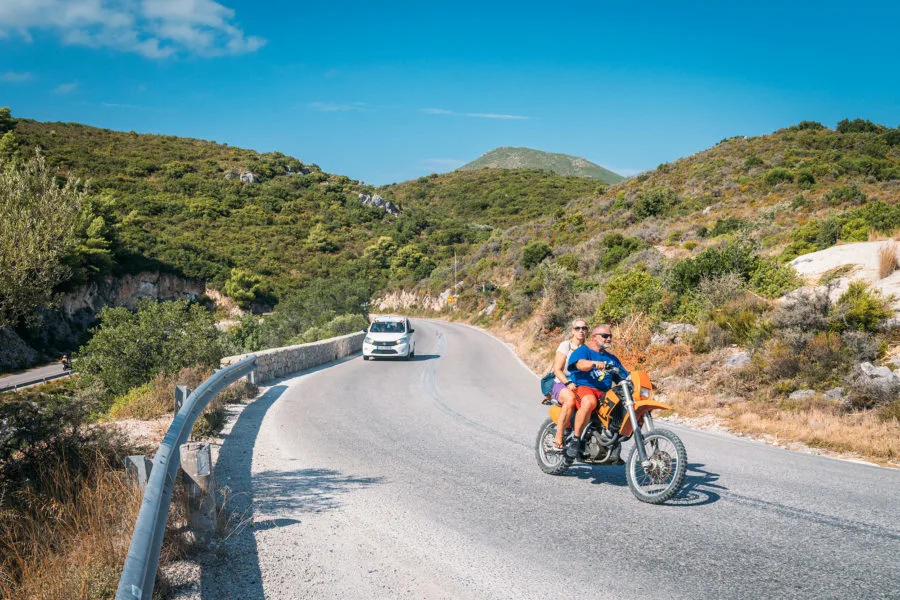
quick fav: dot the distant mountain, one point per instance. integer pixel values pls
(507, 157)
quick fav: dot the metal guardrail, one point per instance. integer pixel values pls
(139, 572)
(15, 387)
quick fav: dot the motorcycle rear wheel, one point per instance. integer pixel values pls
(662, 479)
(550, 460)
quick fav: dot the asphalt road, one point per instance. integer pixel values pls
(387, 479)
(30, 376)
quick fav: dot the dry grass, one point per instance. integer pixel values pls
(888, 259)
(68, 535)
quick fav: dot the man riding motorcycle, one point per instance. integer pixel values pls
(587, 366)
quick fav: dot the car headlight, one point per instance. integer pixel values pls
(368, 340)
(403, 340)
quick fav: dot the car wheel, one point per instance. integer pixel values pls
(365, 357)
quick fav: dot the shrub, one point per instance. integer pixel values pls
(772, 279)
(724, 226)
(823, 360)
(753, 161)
(808, 125)
(778, 175)
(780, 361)
(860, 308)
(655, 202)
(243, 287)
(129, 349)
(631, 292)
(860, 346)
(855, 230)
(568, 262)
(857, 126)
(617, 247)
(556, 304)
(846, 193)
(732, 257)
(805, 180)
(534, 253)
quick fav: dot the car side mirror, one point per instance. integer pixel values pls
(412, 330)
(365, 331)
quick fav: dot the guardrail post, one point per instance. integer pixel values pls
(181, 394)
(200, 489)
(137, 468)
(251, 377)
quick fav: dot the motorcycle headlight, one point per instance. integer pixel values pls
(368, 340)
(645, 392)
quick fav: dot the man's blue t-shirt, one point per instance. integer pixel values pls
(590, 378)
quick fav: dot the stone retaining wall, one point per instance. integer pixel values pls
(280, 362)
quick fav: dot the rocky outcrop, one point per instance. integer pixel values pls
(402, 300)
(379, 202)
(15, 354)
(280, 362)
(249, 177)
(64, 327)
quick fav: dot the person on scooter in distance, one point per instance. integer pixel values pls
(588, 369)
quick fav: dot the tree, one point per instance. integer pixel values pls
(9, 146)
(130, 348)
(243, 287)
(534, 253)
(39, 221)
(7, 123)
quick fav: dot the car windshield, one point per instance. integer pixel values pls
(387, 327)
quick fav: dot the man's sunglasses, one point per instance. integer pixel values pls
(605, 336)
(576, 328)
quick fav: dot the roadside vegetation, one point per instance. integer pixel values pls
(706, 241)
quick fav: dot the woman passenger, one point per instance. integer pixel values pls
(564, 390)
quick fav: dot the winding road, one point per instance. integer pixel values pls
(392, 479)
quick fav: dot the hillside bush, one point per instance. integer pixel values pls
(243, 287)
(617, 247)
(635, 291)
(534, 253)
(861, 309)
(731, 257)
(805, 180)
(772, 279)
(315, 306)
(654, 202)
(778, 175)
(857, 126)
(129, 348)
(753, 161)
(568, 261)
(845, 193)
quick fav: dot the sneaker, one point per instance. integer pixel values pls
(573, 447)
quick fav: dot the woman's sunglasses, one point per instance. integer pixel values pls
(580, 328)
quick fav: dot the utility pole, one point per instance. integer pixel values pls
(455, 280)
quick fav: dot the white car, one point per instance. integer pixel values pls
(389, 336)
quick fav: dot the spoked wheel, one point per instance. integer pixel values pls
(662, 476)
(551, 460)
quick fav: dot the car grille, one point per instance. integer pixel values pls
(384, 351)
(385, 343)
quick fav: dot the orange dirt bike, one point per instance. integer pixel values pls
(657, 463)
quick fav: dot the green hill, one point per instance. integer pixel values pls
(177, 204)
(525, 158)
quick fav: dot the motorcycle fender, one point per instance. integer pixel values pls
(554, 413)
(640, 409)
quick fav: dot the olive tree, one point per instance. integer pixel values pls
(39, 221)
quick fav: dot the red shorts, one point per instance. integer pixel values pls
(585, 390)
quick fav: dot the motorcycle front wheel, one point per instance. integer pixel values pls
(551, 460)
(662, 477)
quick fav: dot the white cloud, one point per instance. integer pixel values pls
(66, 88)
(336, 106)
(151, 28)
(14, 77)
(442, 111)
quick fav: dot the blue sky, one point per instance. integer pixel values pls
(385, 92)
